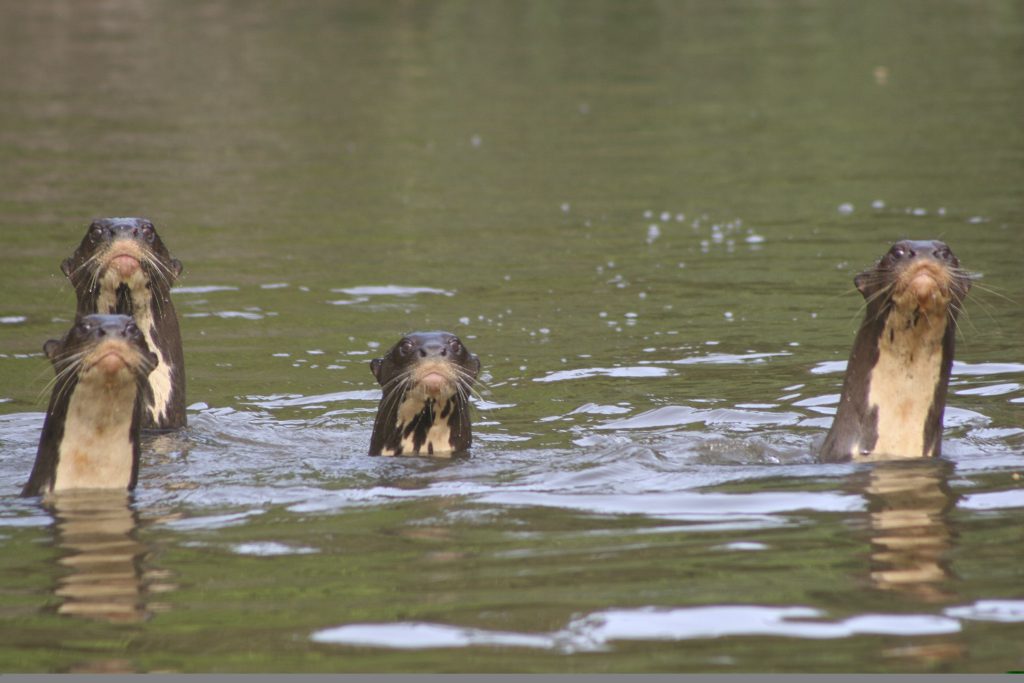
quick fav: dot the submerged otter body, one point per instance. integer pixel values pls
(894, 391)
(123, 267)
(426, 378)
(90, 437)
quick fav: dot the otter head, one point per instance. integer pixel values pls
(433, 364)
(918, 279)
(108, 348)
(426, 379)
(117, 262)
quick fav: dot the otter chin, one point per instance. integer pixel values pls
(424, 410)
(90, 437)
(894, 391)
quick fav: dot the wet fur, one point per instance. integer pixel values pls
(90, 436)
(894, 391)
(409, 420)
(145, 295)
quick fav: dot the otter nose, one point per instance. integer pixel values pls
(433, 348)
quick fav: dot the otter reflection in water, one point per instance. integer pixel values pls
(908, 506)
(106, 579)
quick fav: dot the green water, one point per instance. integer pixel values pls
(620, 207)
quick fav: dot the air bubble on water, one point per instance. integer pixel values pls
(845, 209)
(631, 315)
(642, 295)
(665, 216)
(602, 314)
(315, 352)
(648, 214)
(544, 330)
(794, 343)
(878, 204)
(941, 211)
(507, 278)
(919, 211)
(373, 345)
(680, 217)
(728, 315)
(476, 140)
(653, 233)
(464, 320)
(711, 343)
(281, 355)
(977, 219)
(303, 288)
(566, 207)
(681, 265)
(754, 238)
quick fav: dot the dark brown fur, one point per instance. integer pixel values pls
(406, 413)
(87, 270)
(856, 423)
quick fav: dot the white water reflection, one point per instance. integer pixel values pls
(597, 631)
(562, 375)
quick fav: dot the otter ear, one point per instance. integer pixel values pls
(475, 363)
(176, 267)
(375, 368)
(65, 267)
(51, 348)
(863, 283)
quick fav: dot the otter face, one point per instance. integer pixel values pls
(106, 348)
(919, 279)
(116, 263)
(426, 379)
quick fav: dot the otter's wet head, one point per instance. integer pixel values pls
(426, 379)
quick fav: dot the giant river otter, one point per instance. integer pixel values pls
(90, 437)
(426, 378)
(122, 266)
(894, 392)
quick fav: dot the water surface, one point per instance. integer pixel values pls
(644, 219)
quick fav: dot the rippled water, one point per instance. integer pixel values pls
(645, 222)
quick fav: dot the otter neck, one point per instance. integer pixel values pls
(135, 296)
(99, 447)
(901, 413)
(423, 425)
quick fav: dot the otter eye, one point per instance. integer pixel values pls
(131, 329)
(944, 253)
(899, 251)
(406, 346)
(148, 233)
(96, 232)
(455, 345)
